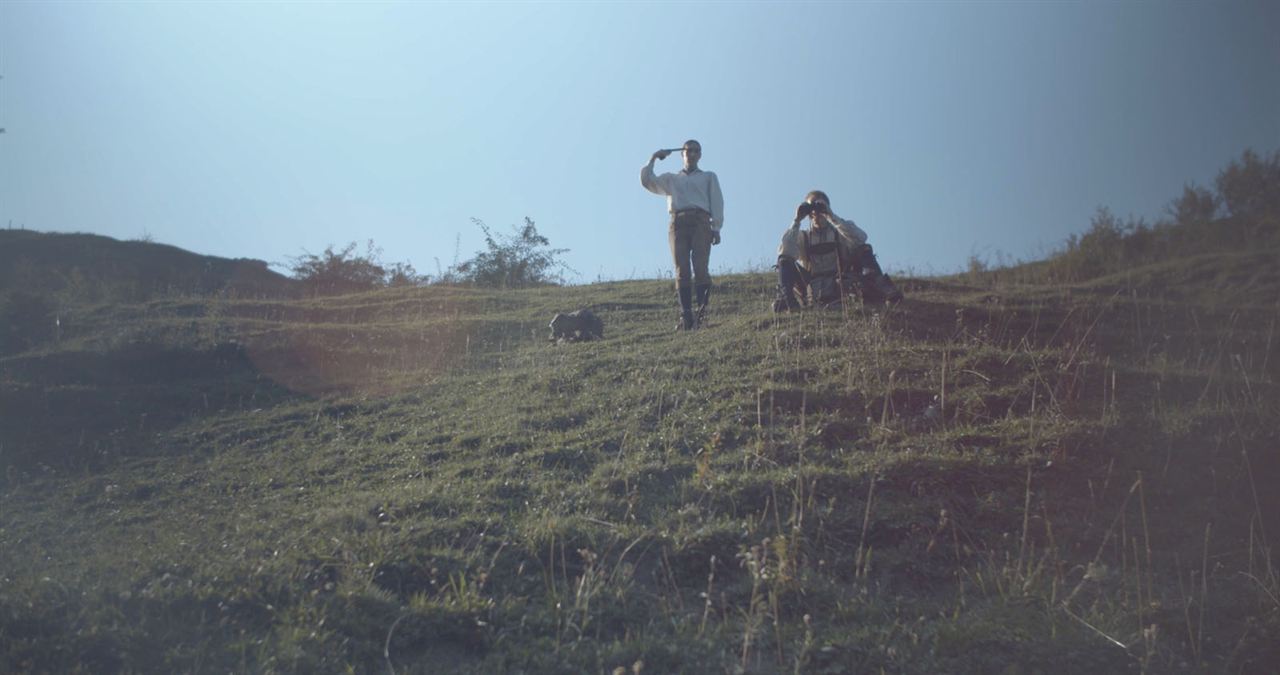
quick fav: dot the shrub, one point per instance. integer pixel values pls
(345, 271)
(513, 261)
(403, 274)
(1196, 206)
(1250, 188)
(1098, 251)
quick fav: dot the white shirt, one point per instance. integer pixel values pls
(849, 229)
(698, 189)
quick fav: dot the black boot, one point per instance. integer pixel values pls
(687, 319)
(785, 300)
(875, 284)
(790, 282)
(702, 292)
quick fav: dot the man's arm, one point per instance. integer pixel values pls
(654, 183)
(792, 244)
(717, 208)
(717, 204)
(849, 230)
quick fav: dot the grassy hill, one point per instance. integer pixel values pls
(989, 477)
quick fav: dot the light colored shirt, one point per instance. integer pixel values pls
(849, 229)
(794, 240)
(698, 189)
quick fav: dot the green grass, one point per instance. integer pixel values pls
(986, 478)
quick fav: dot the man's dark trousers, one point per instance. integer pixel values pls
(690, 236)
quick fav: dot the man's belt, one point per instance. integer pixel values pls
(692, 211)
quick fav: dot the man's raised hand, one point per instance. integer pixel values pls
(661, 154)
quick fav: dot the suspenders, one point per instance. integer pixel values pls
(823, 249)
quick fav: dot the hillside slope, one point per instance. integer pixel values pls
(981, 479)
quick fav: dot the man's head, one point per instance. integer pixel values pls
(820, 203)
(818, 196)
(692, 152)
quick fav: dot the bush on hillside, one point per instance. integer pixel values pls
(524, 258)
(1107, 244)
(518, 260)
(345, 271)
(403, 274)
(1250, 188)
(1196, 206)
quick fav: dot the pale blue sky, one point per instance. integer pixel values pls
(945, 129)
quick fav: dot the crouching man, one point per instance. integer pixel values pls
(830, 259)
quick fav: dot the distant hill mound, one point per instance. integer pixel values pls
(96, 268)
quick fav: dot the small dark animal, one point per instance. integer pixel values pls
(576, 326)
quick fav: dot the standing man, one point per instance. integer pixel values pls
(697, 212)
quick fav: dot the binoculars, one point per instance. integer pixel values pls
(816, 207)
